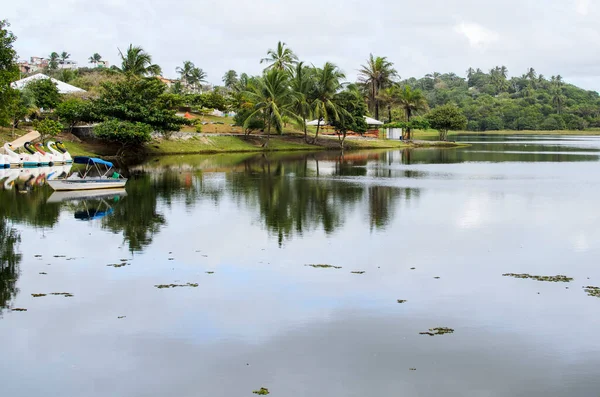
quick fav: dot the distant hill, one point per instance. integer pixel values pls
(493, 101)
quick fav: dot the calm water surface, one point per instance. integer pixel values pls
(437, 228)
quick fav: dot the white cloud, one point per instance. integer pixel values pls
(478, 36)
(582, 6)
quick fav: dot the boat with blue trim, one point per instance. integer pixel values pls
(106, 177)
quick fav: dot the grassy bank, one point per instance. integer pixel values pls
(432, 134)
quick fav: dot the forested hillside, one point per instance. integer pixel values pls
(493, 101)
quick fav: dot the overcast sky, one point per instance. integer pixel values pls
(553, 36)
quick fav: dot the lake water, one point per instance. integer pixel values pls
(434, 228)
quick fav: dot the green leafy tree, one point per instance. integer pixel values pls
(185, 72)
(63, 57)
(302, 84)
(351, 110)
(230, 79)
(412, 102)
(137, 62)
(282, 58)
(22, 104)
(271, 98)
(45, 93)
(47, 128)
(375, 76)
(327, 82)
(74, 110)
(94, 59)
(445, 118)
(138, 100)
(53, 61)
(9, 71)
(124, 133)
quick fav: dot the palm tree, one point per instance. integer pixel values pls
(95, 59)
(302, 84)
(389, 97)
(230, 79)
(137, 62)
(63, 57)
(412, 101)
(376, 75)
(197, 78)
(186, 72)
(283, 58)
(53, 61)
(327, 84)
(271, 98)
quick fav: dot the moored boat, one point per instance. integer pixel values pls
(106, 179)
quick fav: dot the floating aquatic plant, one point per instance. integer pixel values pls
(120, 317)
(401, 300)
(210, 272)
(592, 291)
(118, 264)
(320, 266)
(361, 272)
(38, 295)
(60, 256)
(553, 279)
(437, 331)
(18, 309)
(263, 391)
(412, 369)
(176, 285)
(44, 273)
(65, 294)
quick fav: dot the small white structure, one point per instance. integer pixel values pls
(393, 133)
(63, 88)
(370, 121)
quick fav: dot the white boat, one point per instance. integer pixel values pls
(4, 161)
(61, 148)
(105, 180)
(57, 157)
(13, 158)
(32, 158)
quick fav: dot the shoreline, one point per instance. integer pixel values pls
(218, 144)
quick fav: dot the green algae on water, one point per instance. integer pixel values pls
(361, 272)
(553, 279)
(38, 295)
(118, 264)
(320, 266)
(161, 286)
(65, 294)
(438, 331)
(210, 272)
(18, 309)
(263, 391)
(592, 291)
(401, 300)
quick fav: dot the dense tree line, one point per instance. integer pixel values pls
(130, 98)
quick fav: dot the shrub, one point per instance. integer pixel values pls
(125, 133)
(47, 128)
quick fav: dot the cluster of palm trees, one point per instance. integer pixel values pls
(192, 77)
(55, 60)
(291, 89)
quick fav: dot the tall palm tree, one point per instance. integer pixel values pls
(302, 84)
(282, 58)
(63, 57)
(376, 75)
(271, 98)
(413, 102)
(53, 61)
(95, 59)
(328, 81)
(197, 78)
(186, 72)
(230, 79)
(137, 62)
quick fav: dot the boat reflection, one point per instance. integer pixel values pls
(89, 205)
